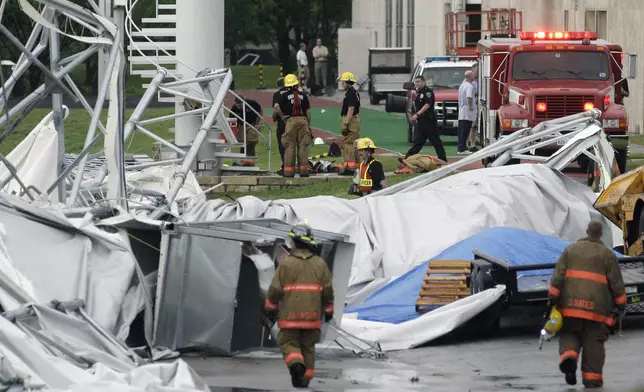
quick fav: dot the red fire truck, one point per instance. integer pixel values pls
(546, 75)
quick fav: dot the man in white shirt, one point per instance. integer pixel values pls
(303, 66)
(320, 55)
(466, 112)
(471, 143)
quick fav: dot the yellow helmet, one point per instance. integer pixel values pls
(365, 143)
(290, 80)
(347, 77)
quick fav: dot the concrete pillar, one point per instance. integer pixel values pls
(200, 45)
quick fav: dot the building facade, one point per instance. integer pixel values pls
(420, 24)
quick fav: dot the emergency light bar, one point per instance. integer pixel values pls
(558, 35)
(438, 58)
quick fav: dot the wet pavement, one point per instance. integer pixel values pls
(510, 362)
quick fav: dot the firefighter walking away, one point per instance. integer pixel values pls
(588, 289)
(300, 294)
(294, 109)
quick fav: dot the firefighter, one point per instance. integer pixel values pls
(371, 176)
(426, 121)
(248, 133)
(350, 123)
(300, 292)
(281, 126)
(588, 289)
(294, 109)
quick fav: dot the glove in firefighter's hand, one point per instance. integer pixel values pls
(328, 318)
(270, 317)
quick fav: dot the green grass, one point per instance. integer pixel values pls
(77, 123)
(246, 78)
(337, 188)
(76, 126)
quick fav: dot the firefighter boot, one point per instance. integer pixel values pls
(297, 371)
(569, 367)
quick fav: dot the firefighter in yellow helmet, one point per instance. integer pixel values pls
(301, 294)
(294, 109)
(350, 123)
(371, 176)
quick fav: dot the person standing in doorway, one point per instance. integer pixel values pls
(303, 66)
(466, 112)
(426, 121)
(320, 55)
(281, 125)
(350, 123)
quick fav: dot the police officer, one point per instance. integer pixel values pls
(281, 125)
(426, 121)
(371, 176)
(350, 123)
(588, 289)
(301, 291)
(294, 109)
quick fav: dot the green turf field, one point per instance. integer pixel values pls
(387, 130)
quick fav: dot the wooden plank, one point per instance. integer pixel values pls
(458, 285)
(444, 287)
(443, 292)
(451, 263)
(444, 278)
(435, 301)
(432, 270)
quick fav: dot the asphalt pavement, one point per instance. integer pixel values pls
(509, 362)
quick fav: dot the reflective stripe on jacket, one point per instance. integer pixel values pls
(366, 182)
(301, 290)
(587, 282)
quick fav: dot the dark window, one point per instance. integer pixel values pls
(445, 77)
(560, 65)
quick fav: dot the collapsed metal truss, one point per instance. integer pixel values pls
(109, 36)
(583, 132)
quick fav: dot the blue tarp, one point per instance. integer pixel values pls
(395, 303)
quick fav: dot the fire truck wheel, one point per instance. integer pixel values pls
(374, 99)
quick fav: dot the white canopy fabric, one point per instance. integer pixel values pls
(394, 233)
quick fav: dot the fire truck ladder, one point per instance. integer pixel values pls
(461, 40)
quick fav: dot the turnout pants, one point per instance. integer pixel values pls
(297, 135)
(350, 133)
(577, 334)
(281, 128)
(426, 129)
(252, 139)
(298, 346)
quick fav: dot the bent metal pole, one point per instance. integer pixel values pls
(196, 145)
(100, 101)
(131, 124)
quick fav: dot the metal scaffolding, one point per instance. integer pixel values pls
(109, 35)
